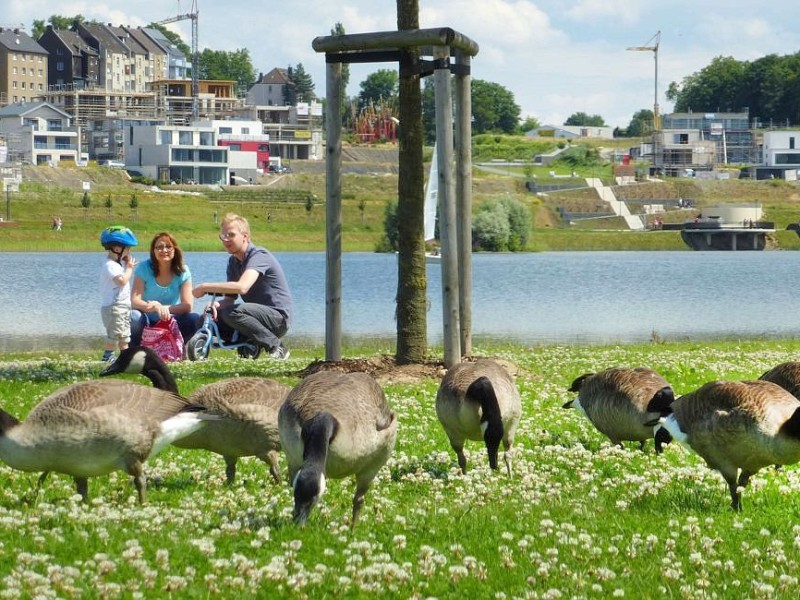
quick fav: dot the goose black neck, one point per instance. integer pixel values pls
(317, 434)
(482, 391)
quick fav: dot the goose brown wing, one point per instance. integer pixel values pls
(241, 397)
(101, 396)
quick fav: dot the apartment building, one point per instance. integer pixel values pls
(23, 67)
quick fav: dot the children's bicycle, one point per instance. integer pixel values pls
(207, 337)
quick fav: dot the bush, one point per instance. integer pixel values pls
(501, 225)
(390, 241)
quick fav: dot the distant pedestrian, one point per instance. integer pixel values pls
(269, 217)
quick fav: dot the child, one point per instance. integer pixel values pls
(115, 288)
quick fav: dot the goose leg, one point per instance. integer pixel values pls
(507, 455)
(462, 460)
(274, 468)
(82, 485)
(358, 501)
(230, 469)
(41, 481)
(736, 499)
(137, 473)
(744, 478)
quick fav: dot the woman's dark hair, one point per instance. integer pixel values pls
(177, 264)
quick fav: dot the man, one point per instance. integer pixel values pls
(265, 313)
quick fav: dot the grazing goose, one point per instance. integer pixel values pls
(95, 427)
(248, 407)
(479, 401)
(615, 401)
(333, 425)
(786, 375)
(734, 426)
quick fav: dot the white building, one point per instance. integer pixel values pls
(781, 156)
(181, 154)
(39, 133)
(247, 144)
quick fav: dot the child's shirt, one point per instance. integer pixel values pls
(110, 292)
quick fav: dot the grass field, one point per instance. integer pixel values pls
(580, 518)
(283, 219)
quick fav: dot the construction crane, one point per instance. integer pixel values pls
(193, 15)
(652, 47)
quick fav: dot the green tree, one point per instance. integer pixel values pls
(309, 206)
(529, 123)
(86, 202)
(303, 84)
(109, 204)
(493, 108)
(235, 65)
(581, 118)
(380, 85)
(391, 242)
(641, 124)
(717, 87)
(429, 110)
(58, 22)
(133, 204)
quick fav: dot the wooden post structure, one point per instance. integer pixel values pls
(456, 233)
(447, 206)
(463, 149)
(333, 215)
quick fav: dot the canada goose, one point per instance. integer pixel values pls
(733, 426)
(479, 401)
(247, 407)
(333, 425)
(786, 375)
(615, 401)
(95, 427)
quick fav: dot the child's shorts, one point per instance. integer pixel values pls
(117, 321)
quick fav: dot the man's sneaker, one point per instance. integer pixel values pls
(280, 353)
(108, 356)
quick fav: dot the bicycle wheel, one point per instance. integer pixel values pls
(196, 347)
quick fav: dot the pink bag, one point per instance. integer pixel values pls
(165, 338)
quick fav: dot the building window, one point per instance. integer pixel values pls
(165, 137)
(185, 138)
(245, 131)
(14, 70)
(224, 130)
(206, 138)
(791, 143)
(59, 66)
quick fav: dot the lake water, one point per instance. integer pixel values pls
(52, 299)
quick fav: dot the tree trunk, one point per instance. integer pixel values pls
(412, 331)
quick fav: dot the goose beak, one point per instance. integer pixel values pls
(567, 404)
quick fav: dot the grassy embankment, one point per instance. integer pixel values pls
(579, 517)
(294, 228)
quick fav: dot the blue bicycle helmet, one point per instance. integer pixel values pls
(118, 235)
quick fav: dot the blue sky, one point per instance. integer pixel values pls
(557, 57)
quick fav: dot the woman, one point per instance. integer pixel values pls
(162, 288)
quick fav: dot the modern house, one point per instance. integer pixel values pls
(179, 154)
(730, 133)
(780, 151)
(572, 132)
(247, 143)
(23, 67)
(39, 133)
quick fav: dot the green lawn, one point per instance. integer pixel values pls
(579, 518)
